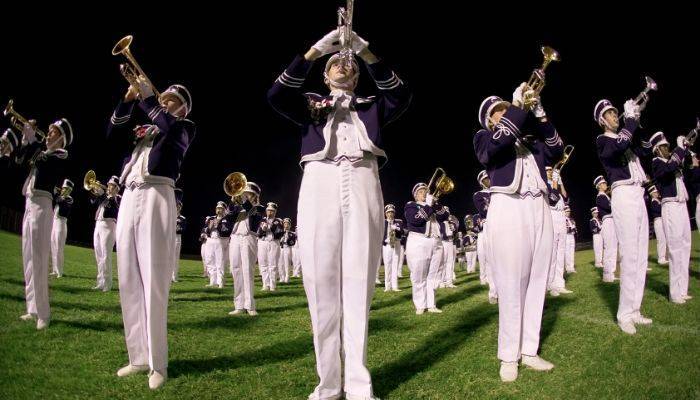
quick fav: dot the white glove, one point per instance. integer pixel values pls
(144, 88)
(556, 177)
(429, 199)
(98, 191)
(681, 142)
(28, 133)
(518, 95)
(358, 44)
(538, 110)
(329, 43)
(631, 109)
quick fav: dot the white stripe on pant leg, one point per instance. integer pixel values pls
(676, 224)
(320, 239)
(661, 246)
(36, 249)
(631, 224)
(610, 246)
(418, 255)
(598, 249)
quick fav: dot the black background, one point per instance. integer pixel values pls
(452, 54)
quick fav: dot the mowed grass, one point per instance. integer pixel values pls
(448, 356)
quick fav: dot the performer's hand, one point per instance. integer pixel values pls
(29, 131)
(538, 110)
(518, 95)
(429, 199)
(681, 142)
(358, 44)
(328, 44)
(632, 109)
(131, 94)
(98, 191)
(145, 89)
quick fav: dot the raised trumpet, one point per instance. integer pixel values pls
(643, 97)
(693, 134)
(536, 82)
(131, 69)
(18, 121)
(90, 182)
(345, 31)
(442, 183)
(235, 184)
(564, 159)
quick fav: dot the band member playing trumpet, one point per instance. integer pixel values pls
(469, 243)
(393, 231)
(180, 225)
(287, 242)
(620, 153)
(481, 202)
(557, 204)
(657, 221)
(153, 156)
(107, 201)
(45, 161)
(62, 206)
(667, 169)
(520, 223)
(340, 201)
(424, 247)
(595, 225)
(448, 231)
(269, 232)
(219, 228)
(607, 229)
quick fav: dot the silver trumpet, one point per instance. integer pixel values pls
(693, 134)
(345, 31)
(643, 97)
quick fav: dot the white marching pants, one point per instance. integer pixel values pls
(471, 261)
(598, 249)
(424, 257)
(610, 244)
(482, 250)
(204, 252)
(219, 258)
(341, 219)
(176, 261)
(296, 260)
(402, 258)
(448, 261)
(103, 241)
(520, 238)
(677, 228)
(632, 228)
(555, 276)
(36, 248)
(145, 247)
(285, 262)
(661, 247)
(59, 231)
(268, 256)
(242, 251)
(697, 211)
(570, 264)
(390, 255)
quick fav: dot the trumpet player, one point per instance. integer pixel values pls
(607, 229)
(620, 153)
(219, 228)
(340, 201)
(153, 156)
(391, 248)
(557, 204)
(107, 201)
(287, 242)
(481, 202)
(180, 225)
(657, 221)
(571, 232)
(62, 206)
(520, 233)
(45, 161)
(667, 170)
(270, 232)
(247, 214)
(595, 225)
(470, 245)
(448, 231)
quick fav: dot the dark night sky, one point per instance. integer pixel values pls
(452, 57)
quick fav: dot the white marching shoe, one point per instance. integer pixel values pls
(564, 291)
(537, 363)
(28, 317)
(420, 311)
(236, 312)
(493, 300)
(42, 324)
(687, 297)
(509, 371)
(252, 313)
(435, 310)
(157, 379)
(642, 320)
(627, 327)
(131, 370)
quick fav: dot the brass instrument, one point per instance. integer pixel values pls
(90, 182)
(536, 82)
(564, 159)
(643, 97)
(234, 185)
(131, 69)
(18, 121)
(693, 135)
(392, 235)
(469, 222)
(345, 32)
(443, 184)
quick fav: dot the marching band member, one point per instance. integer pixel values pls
(287, 242)
(340, 202)
(520, 223)
(246, 213)
(620, 153)
(655, 214)
(146, 224)
(270, 231)
(667, 169)
(607, 229)
(448, 230)
(104, 237)
(481, 202)
(596, 225)
(571, 232)
(296, 259)
(180, 226)
(459, 252)
(63, 203)
(219, 231)
(557, 203)
(45, 161)
(470, 250)
(424, 246)
(391, 247)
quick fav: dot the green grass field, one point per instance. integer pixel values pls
(447, 356)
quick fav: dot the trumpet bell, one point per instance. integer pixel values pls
(550, 54)
(651, 84)
(235, 183)
(122, 45)
(8, 107)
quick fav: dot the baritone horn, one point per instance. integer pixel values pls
(441, 182)
(235, 184)
(131, 69)
(18, 121)
(90, 182)
(536, 82)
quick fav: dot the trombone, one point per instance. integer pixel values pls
(536, 82)
(131, 69)
(90, 182)
(234, 185)
(564, 159)
(18, 121)
(442, 183)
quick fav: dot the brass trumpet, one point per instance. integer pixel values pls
(18, 121)
(443, 184)
(564, 159)
(643, 97)
(131, 69)
(345, 31)
(235, 184)
(693, 134)
(90, 182)
(536, 82)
